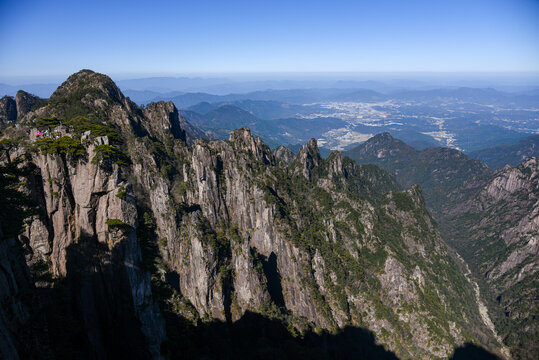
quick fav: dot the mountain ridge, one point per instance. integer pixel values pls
(487, 216)
(219, 229)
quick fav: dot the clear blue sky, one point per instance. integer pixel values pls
(49, 38)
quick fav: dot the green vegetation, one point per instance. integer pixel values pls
(403, 201)
(79, 125)
(217, 240)
(15, 205)
(64, 146)
(118, 224)
(122, 193)
(70, 103)
(103, 152)
(48, 123)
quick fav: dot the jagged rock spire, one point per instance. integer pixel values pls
(308, 158)
(284, 154)
(164, 120)
(242, 139)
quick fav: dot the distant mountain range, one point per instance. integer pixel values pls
(222, 119)
(305, 96)
(514, 154)
(41, 90)
(445, 175)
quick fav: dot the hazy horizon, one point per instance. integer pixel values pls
(512, 76)
(243, 83)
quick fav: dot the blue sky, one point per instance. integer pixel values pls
(126, 38)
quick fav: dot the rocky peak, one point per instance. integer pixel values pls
(532, 163)
(335, 164)
(92, 95)
(242, 139)
(88, 80)
(164, 120)
(25, 102)
(416, 193)
(384, 145)
(13, 108)
(8, 109)
(385, 136)
(514, 179)
(284, 154)
(307, 159)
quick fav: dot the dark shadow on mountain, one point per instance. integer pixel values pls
(473, 352)
(257, 337)
(89, 314)
(273, 276)
(173, 280)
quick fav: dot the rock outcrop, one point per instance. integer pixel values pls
(13, 108)
(8, 109)
(284, 154)
(25, 102)
(164, 120)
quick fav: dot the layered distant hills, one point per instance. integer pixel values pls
(219, 120)
(500, 156)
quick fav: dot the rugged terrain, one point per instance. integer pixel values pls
(490, 218)
(143, 246)
(497, 232)
(13, 108)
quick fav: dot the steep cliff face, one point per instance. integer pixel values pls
(321, 241)
(86, 237)
(224, 231)
(164, 120)
(497, 233)
(15, 280)
(25, 102)
(92, 220)
(13, 108)
(8, 109)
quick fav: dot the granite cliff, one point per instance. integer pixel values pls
(13, 108)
